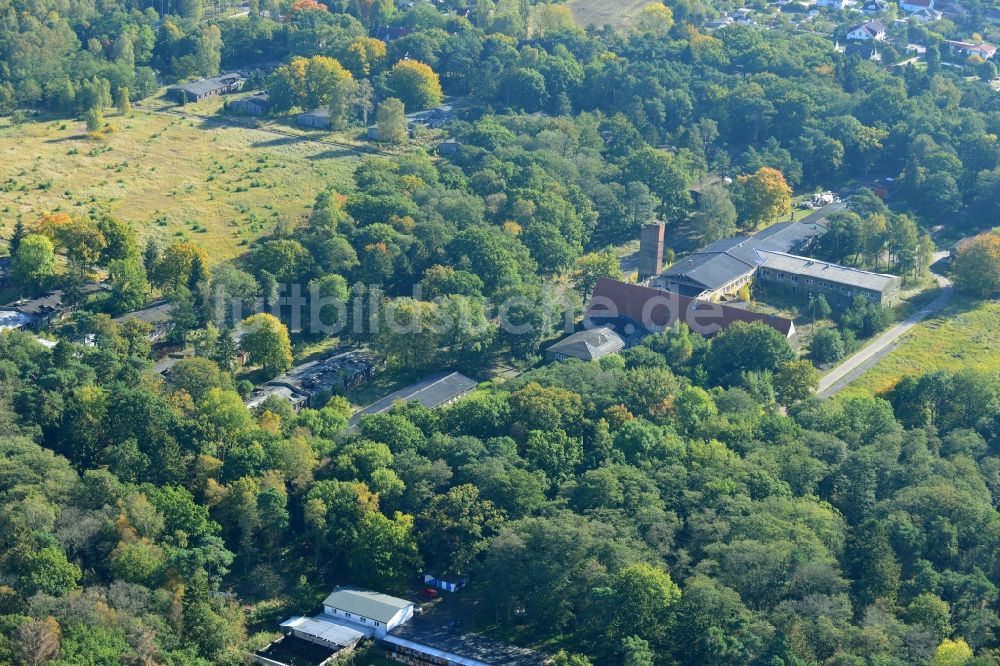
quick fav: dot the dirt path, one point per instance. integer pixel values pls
(251, 125)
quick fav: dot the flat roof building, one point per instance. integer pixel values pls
(441, 389)
(422, 642)
(804, 276)
(256, 104)
(212, 86)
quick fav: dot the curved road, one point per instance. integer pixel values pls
(855, 365)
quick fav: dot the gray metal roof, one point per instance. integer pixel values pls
(470, 649)
(155, 314)
(728, 259)
(321, 112)
(430, 392)
(822, 270)
(202, 86)
(326, 628)
(366, 603)
(711, 270)
(589, 345)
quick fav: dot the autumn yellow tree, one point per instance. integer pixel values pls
(764, 195)
(78, 238)
(546, 19)
(977, 265)
(654, 19)
(323, 76)
(176, 265)
(364, 56)
(416, 84)
(266, 340)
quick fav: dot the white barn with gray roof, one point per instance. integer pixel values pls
(378, 611)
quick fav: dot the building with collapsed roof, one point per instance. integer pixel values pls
(312, 384)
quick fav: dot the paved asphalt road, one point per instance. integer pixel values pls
(855, 365)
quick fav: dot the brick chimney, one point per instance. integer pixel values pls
(651, 250)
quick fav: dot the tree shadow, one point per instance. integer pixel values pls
(332, 154)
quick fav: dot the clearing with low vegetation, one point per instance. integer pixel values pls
(172, 177)
(963, 335)
(599, 13)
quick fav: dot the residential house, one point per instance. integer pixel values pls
(833, 4)
(586, 345)
(874, 7)
(870, 30)
(720, 22)
(632, 307)
(317, 118)
(255, 105)
(804, 277)
(213, 86)
(927, 15)
(437, 390)
(910, 6)
(967, 49)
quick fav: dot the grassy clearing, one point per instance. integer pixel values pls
(965, 334)
(605, 12)
(171, 177)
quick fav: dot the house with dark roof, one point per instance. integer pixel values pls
(317, 118)
(213, 86)
(870, 30)
(586, 345)
(256, 104)
(631, 306)
(435, 391)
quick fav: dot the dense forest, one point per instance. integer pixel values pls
(686, 502)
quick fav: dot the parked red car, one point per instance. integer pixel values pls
(430, 593)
